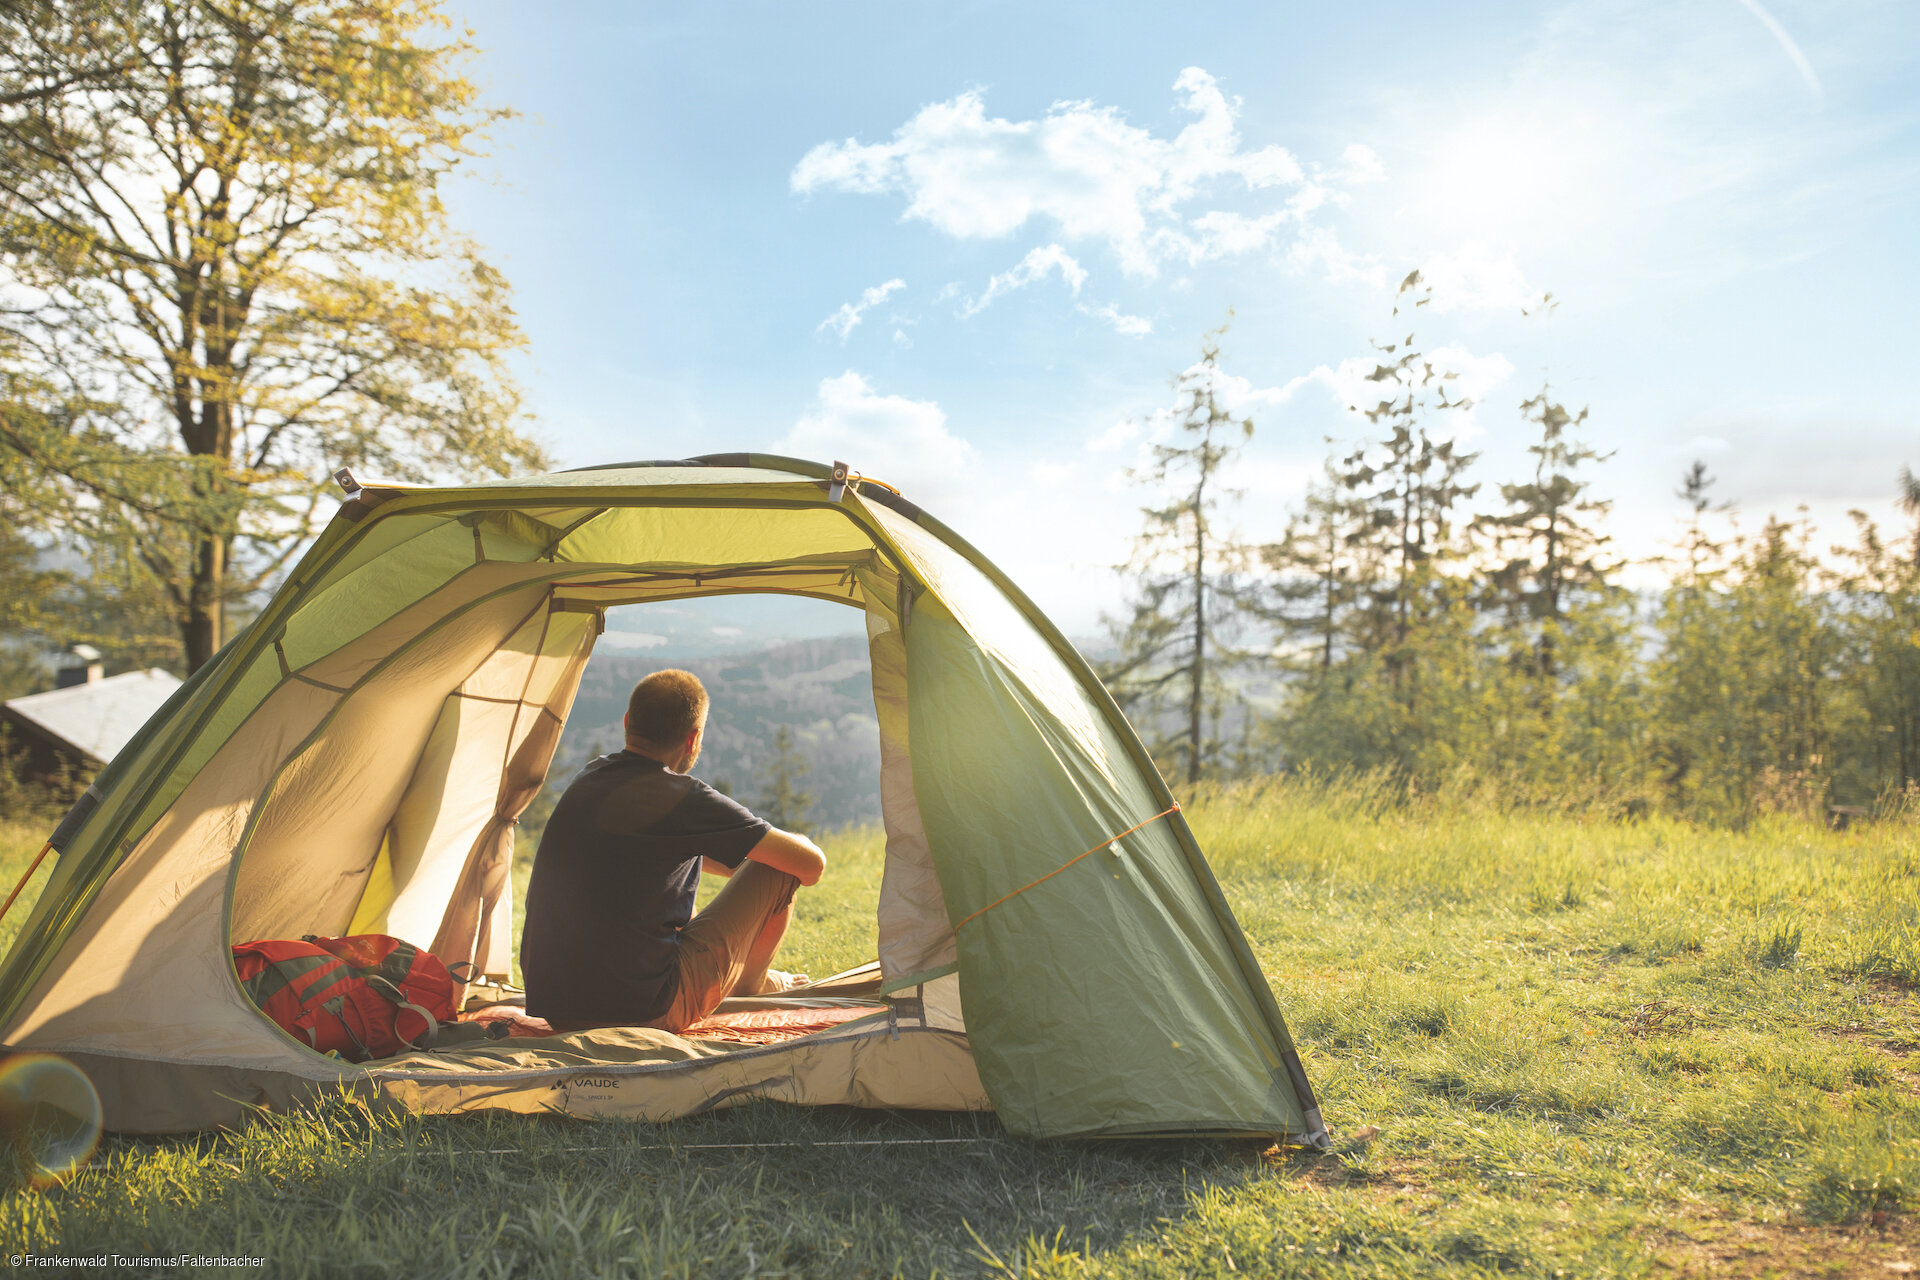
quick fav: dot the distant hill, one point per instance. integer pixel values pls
(822, 689)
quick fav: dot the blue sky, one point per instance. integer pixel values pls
(966, 247)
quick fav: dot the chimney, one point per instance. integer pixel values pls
(84, 667)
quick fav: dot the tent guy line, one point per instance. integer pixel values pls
(1105, 844)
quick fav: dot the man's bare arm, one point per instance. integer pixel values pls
(794, 854)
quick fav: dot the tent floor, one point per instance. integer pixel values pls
(851, 1048)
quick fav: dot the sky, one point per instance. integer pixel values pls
(968, 247)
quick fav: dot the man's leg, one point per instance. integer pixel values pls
(726, 949)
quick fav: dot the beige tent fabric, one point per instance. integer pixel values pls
(911, 1061)
(320, 829)
(453, 789)
(915, 934)
(477, 925)
(152, 952)
(903, 1062)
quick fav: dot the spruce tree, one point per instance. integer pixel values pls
(1378, 553)
(1547, 545)
(1311, 584)
(1189, 600)
(1407, 487)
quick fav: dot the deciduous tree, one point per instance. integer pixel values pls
(229, 270)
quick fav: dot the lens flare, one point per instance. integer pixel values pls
(49, 1119)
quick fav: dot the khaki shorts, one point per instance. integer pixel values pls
(717, 944)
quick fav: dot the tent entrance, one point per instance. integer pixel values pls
(398, 813)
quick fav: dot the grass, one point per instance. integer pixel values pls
(1590, 1048)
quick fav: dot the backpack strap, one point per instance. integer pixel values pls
(338, 1008)
(386, 988)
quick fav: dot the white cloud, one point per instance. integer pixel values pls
(1359, 165)
(1319, 246)
(1464, 375)
(1087, 171)
(847, 318)
(1122, 323)
(1121, 433)
(1037, 265)
(1473, 276)
(903, 442)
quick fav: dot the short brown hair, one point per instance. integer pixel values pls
(667, 707)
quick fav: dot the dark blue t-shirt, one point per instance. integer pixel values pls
(613, 885)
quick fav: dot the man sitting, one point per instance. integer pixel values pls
(611, 938)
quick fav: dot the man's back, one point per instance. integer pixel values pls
(614, 882)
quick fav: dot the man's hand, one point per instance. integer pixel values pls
(796, 855)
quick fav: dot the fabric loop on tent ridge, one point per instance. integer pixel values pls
(1104, 844)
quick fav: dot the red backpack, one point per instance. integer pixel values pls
(368, 996)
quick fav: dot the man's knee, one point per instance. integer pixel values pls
(758, 875)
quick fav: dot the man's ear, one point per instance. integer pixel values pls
(626, 723)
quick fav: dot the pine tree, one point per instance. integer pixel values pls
(1311, 584)
(1378, 554)
(1699, 547)
(1407, 488)
(1547, 545)
(1189, 600)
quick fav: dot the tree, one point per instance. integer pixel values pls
(230, 271)
(1547, 543)
(783, 803)
(1188, 600)
(1312, 583)
(1744, 682)
(1879, 616)
(1703, 553)
(1405, 488)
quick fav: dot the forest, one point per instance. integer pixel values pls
(1454, 630)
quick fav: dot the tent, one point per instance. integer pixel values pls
(1051, 941)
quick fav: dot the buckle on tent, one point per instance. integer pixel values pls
(344, 477)
(837, 486)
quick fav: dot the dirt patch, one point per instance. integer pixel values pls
(1762, 1250)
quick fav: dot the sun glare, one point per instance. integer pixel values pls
(1507, 178)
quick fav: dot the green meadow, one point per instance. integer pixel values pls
(1548, 1044)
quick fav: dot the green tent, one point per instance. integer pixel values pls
(356, 759)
